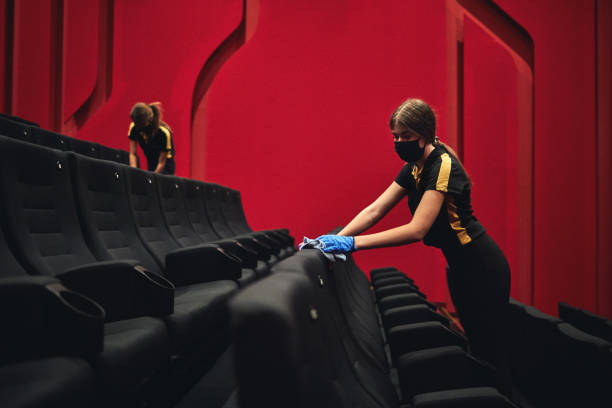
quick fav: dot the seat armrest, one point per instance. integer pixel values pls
(272, 238)
(403, 299)
(125, 289)
(42, 318)
(392, 280)
(248, 255)
(287, 239)
(442, 368)
(202, 263)
(480, 397)
(263, 250)
(418, 336)
(397, 289)
(398, 316)
(389, 273)
(273, 246)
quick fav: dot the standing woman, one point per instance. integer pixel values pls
(154, 137)
(438, 190)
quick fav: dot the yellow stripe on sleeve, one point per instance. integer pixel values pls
(168, 141)
(455, 222)
(444, 173)
(131, 127)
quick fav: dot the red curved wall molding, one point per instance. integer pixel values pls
(99, 54)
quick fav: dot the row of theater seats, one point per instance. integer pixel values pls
(114, 280)
(315, 334)
(563, 362)
(586, 321)
(20, 129)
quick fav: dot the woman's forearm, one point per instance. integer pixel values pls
(364, 220)
(133, 160)
(406, 234)
(161, 162)
(375, 211)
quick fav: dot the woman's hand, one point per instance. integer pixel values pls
(337, 244)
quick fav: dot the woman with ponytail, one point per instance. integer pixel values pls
(154, 137)
(438, 190)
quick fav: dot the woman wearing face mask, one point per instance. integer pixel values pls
(154, 137)
(438, 190)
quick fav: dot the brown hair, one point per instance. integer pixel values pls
(417, 116)
(142, 113)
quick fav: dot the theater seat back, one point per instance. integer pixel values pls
(107, 218)
(39, 209)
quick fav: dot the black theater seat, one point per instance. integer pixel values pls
(306, 361)
(16, 130)
(213, 200)
(172, 201)
(293, 324)
(17, 119)
(198, 217)
(51, 139)
(233, 212)
(42, 225)
(402, 299)
(478, 397)
(355, 299)
(47, 331)
(42, 318)
(392, 280)
(556, 364)
(84, 147)
(397, 289)
(118, 156)
(388, 271)
(586, 321)
(183, 265)
(411, 314)
(49, 382)
(109, 226)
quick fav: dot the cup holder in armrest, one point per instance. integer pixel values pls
(38, 321)
(124, 289)
(75, 322)
(79, 303)
(157, 292)
(159, 280)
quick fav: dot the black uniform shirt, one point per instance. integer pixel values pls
(456, 222)
(152, 146)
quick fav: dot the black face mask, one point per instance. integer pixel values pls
(409, 151)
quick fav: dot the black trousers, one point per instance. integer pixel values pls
(479, 284)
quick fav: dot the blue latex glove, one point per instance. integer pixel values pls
(337, 244)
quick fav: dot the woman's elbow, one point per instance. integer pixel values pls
(419, 234)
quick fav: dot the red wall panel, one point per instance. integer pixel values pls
(33, 62)
(565, 166)
(6, 39)
(298, 118)
(80, 53)
(498, 155)
(604, 157)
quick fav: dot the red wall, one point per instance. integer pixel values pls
(289, 102)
